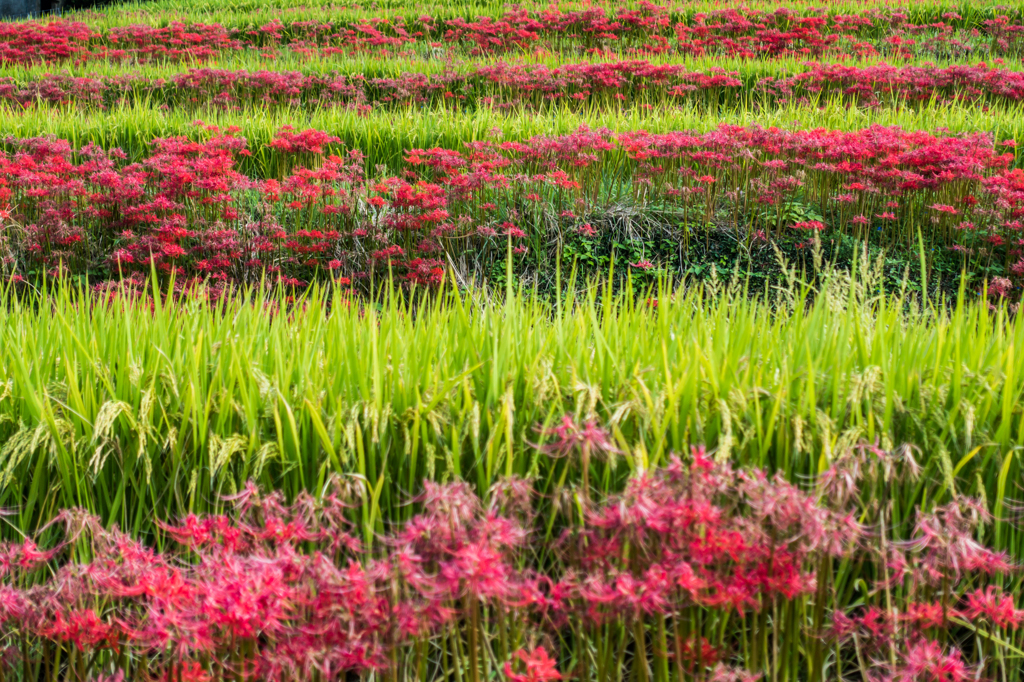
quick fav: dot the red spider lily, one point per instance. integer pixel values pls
(809, 225)
(723, 674)
(943, 546)
(993, 606)
(82, 628)
(539, 667)
(928, 661)
(570, 437)
(926, 616)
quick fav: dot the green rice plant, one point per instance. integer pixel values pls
(152, 409)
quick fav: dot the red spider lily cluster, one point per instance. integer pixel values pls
(516, 86)
(942, 552)
(702, 535)
(877, 85)
(501, 85)
(71, 41)
(188, 210)
(288, 591)
(650, 29)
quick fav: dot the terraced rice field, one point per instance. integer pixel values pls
(472, 342)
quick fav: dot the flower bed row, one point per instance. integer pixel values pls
(501, 85)
(187, 210)
(684, 569)
(517, 86)
(648, 30)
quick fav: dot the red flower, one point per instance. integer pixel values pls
(539, 667)
(809, 225)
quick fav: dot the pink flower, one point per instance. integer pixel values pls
(539, 667)
(570, 436)
(994, 606)
(513, 231)
(926, 660)
(809, 225)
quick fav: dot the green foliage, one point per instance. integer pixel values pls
(144, 410)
